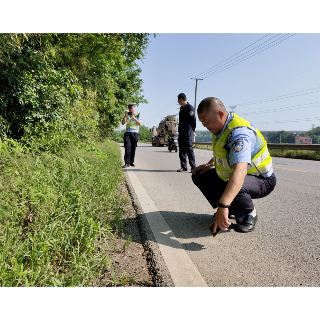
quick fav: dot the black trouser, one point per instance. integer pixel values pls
(130, 143)
(254, 187)
(185, 148)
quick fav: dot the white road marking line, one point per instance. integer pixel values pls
(182, 270)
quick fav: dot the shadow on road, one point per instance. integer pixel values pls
(182, 226)
(153, 170)
(121, 145)
(164, 150)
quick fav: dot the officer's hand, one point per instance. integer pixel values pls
(202, 167)
(126, 113)
(221, 219)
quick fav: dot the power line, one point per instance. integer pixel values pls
(238, 59)
(307, 105)
(286, 96)
(278, 81)
(233, 55)
(246, 58)
(166, 107)
(295, 120)
(211, 73)
(288, 84)
(216, 66)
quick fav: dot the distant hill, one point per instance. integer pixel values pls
(205, 136)
(271, 136)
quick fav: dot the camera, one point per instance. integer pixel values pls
(130, 113)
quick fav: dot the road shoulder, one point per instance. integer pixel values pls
(157, 267)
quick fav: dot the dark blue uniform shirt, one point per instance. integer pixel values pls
(187, 118)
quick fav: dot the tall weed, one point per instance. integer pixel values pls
(54, 208)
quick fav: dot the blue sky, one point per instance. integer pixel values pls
(287, 73)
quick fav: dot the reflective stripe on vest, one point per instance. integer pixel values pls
(131, 124)
(260, 163)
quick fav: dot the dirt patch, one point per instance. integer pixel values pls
(128, 257)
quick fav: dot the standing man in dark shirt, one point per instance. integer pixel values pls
(187, 127)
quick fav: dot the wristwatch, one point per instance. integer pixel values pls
(222, 205)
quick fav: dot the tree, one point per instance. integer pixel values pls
(75, 82)
(315, 131)
(286, 137)
(144, 134)
(315, 139)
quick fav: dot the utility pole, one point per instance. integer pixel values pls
(195, 96)
(195, 102)
(232, 108)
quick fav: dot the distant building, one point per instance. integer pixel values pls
(303, 140)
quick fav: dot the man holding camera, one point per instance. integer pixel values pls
(133, 121)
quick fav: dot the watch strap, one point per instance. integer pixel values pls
(222, 205)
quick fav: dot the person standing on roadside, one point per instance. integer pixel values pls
(187, 127)
(240, 170)
(133, 121)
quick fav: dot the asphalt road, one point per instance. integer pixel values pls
(284, 248)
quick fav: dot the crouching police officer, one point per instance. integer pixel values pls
(240, 170)
(187, 127)
(133, 121)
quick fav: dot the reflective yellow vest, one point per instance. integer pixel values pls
(131, 124)
(261, 161)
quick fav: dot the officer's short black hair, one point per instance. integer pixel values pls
(210, 103)
(182, 96)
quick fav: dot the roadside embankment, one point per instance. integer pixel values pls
(61, 215)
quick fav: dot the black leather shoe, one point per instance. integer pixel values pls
(126, 165)
(248, 224)
(132, 165)
(182, 169)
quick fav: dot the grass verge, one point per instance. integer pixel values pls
(199, 146)
(295, 154)
(55, 210)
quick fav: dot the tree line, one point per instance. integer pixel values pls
(272, 137)
(71, 85)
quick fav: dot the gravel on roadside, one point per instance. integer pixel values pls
(128, 257)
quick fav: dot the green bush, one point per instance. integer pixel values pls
(54, 210)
